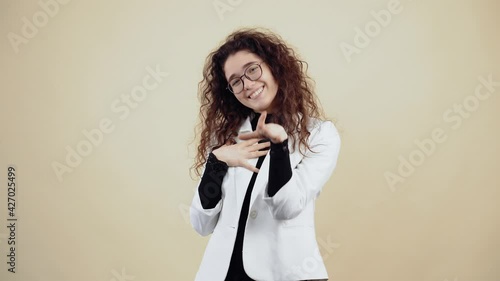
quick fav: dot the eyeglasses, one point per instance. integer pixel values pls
(252, 73)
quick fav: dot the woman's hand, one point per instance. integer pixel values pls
(275, 132)
(238, 154)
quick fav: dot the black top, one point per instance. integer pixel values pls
(210, 192)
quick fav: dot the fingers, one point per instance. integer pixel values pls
(262, 119)
(260, 153)
(247, 165)
(260, 132)
(248, 136)
(257, 154)
(251, 141)
(262, 145)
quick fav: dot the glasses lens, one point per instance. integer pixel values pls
(236, 85)
(254, 72)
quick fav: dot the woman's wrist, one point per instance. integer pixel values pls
(280, 138)
(216, 154)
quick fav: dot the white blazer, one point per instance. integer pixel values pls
(280, 239)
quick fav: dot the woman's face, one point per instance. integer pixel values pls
(259, 94)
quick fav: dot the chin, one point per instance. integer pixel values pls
(260, 109)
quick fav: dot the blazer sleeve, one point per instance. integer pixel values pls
(207, 203)
(310, 174)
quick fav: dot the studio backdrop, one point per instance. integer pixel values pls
(99, 104)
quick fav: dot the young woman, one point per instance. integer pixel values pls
(265, 153)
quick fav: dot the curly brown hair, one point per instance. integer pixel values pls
(221, 114)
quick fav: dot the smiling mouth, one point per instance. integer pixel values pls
(256, 93)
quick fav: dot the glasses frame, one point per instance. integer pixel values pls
(229, 88)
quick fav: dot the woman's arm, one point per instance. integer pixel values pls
(207, 203)
(210, 187)
(280, 170)
(309, 176)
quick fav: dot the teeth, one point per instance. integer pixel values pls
(256, 93)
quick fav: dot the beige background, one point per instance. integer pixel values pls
(121, 214)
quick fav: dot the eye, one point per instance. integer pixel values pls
(252, 69)
(235, 83)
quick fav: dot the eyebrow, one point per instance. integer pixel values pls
(243, 67)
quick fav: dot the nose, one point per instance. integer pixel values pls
(247, 82)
